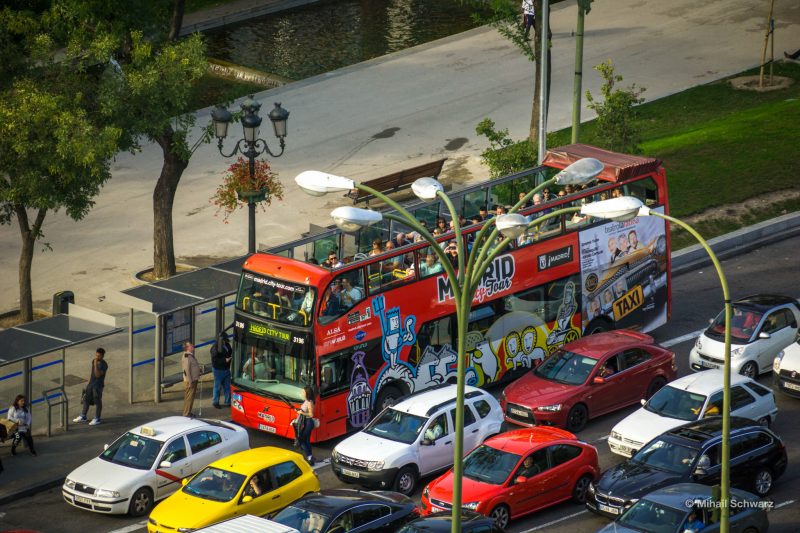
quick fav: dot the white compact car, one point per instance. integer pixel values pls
(689, 398)
(147, 464)
(786, 370)
(761, 326)
(415, 438)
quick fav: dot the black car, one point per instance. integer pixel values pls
(690, 453)
(348, 510)
(440, 522)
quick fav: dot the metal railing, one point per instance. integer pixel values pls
(56, 400)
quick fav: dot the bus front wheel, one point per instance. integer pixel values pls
(598, 325)
(388, 396)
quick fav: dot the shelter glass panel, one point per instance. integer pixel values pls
(11, 384)
(143, 355)
(45, 374)
(205, 324)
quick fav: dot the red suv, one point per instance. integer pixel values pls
(589, 377)
(518, 472)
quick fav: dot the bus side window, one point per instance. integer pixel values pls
(644, 189)
(334, 373)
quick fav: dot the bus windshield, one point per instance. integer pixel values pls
(273, 361)
(275, 299)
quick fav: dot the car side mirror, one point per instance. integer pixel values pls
(598, 380)
(247, 499)
(184, 481)
(165, 464)
(710, 320)
(642, 401)
(105, 447)
(764, 335)
(520, 479)
(426, 442)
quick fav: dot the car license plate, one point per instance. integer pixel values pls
(351, 473)
(268, 429)
(81, 499)
(518, 412)
(791, 386)
(620, 448)
(435, 509)
(706, 364)
(607, 509)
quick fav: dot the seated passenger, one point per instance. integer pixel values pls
(377, 247)
(529, 468)
(693, 521)
(430, 266)
(350, 295)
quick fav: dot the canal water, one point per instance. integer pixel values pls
(331, 34)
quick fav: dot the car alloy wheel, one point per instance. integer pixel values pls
(141, 502)
(763, 482)
(581, 489)
(750, 370)
(576, 419)
(500, 516)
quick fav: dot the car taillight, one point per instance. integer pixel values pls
(674, 363)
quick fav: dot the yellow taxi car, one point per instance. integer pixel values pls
(259, 482)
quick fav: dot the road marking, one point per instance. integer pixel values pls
(601, 439)
(321, 464)
(784, 504)
(682, 338)
(132, 527)
(573, 515)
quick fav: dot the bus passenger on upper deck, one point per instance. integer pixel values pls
(351, 294)
(377, 247)
(430, 266)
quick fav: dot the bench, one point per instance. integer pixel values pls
(397, 181)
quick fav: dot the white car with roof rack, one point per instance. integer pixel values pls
(147, 464)
(415, 438)
(689, 398)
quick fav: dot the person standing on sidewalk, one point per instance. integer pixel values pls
(528, 16)
(221, 353)
(191, 375)
(94, 390)
(21, 415)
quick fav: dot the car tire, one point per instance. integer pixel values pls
(388, 396)
(141, 502)
(501, 516)
(763, 482)
(764, 421)
(581, 489)
(598, 325)
(577, 418)
(654, 387)
(750, 370)
(406, 480)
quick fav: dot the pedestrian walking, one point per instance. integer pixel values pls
(527, 16)
(305, 424)
(20, 414)
(93, 393)
(191, 375)
(221, 353)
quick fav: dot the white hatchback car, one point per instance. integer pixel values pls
(761, 326)
(786, 370)
(415, 438)
(147, 464)
(689, 398)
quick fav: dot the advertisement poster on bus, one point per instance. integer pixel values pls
(624, 273)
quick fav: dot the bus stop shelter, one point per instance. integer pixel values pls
(194, 306)
(33, 357)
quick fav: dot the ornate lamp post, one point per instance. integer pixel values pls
(466, 276)
(626, 208)
(251, 147)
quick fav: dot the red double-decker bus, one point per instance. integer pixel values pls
(379, 324)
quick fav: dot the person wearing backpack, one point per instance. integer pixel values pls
(221, 353)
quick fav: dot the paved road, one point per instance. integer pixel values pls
(697, 296)
(387, 114)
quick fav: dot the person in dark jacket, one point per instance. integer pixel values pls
(221, 353)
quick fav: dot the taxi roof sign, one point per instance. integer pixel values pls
(148, 431)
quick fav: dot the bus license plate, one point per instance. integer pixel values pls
(791, 386)
(607, 509)
(268, 429)
(81, 499)
(351, 473)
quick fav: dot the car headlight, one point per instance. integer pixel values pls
(103, 493)
(425, 492)
(335, 455)
(186, 529)
(151, 521)
(631, 502)
(776, 363)
(591, 488)
(550, 408)
(374, 466)
(615, 435)
(470, 505)
(503, 395)
(698, 344)
(736, 352)
(69, 483)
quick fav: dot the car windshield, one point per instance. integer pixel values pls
(566, 367)
(133, 450)
(396, 425)
(215, 484)
(744, 322)
(665, 455)
(652, 517)
(676, 403)
(489, 465)
(302, 519)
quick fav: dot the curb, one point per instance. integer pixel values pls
(32, 490)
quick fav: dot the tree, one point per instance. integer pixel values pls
(617, 124)
(54, 148)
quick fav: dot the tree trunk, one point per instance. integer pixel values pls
(29, 235)
(176, 23)
(533, 134)
(163, 198)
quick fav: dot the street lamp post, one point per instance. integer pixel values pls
(466, 277)
(251, 147)
(626, 208)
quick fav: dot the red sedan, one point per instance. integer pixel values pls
(518, 472)
(589, 377)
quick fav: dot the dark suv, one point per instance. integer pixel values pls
(691, 453)
(440, 522)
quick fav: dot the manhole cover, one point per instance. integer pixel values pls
(72, 379)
